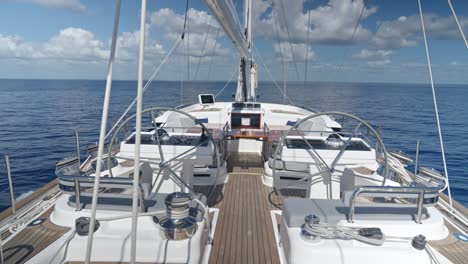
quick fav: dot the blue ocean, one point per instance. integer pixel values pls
(39, 118)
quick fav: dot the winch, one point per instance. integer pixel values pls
(334, 141)
(178, 224)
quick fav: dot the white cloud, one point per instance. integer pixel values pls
(200, 26)
(15, 47)
(333, 23)
(70, 5)
(406, 30)
(80, 45)
(375, 57)
(379, 62)
(128, 44)
(300, 52)
(373, 54)
(75, 44)
(69, 44)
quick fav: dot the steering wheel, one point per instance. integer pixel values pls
(161, 134)
(165, 164)
(334, 141)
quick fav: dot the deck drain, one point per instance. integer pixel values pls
(461, 237)
(37, 222)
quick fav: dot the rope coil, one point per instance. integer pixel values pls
(372, 236)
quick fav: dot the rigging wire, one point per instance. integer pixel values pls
(203, 48)
(458, 23)
(185, 18)
(289, 38)
(148, 83)
(186, 25)
(236, 72)
(439, 130)
(280, 49)
(359, 20)
(271, 76)
(352, 36)
(307, 51)
(213, 53)
(154, 75)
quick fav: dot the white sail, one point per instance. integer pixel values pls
(226, 15)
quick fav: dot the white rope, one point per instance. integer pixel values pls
(139, 108)
(230, 80)
(435, 105)
(458, 23)
(431, 254)
(206, 216)
(120, 217)
(396, 166)
(102, 134)
(147, 85)
(332, 231)
(65, 244)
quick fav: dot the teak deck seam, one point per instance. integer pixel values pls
(244, 233)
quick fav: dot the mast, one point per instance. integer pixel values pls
(241, 36)
(252, 91)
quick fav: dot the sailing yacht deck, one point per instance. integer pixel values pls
(244, 232)
(34, 238)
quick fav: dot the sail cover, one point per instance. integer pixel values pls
(225, 12)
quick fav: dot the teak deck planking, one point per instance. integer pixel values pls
(244, 232)
(32, 240)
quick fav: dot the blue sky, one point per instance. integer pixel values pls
(70, 39)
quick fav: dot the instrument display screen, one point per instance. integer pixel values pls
(206, 99)
(245, 120)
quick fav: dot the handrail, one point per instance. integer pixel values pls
(266, 145)
(421, 191)
(266, 129)
(226, 127)
(90, 179)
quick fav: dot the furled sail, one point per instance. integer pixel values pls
(226, 15)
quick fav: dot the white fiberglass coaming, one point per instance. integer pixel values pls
(352, 212)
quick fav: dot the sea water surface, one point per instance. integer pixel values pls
(38, 119)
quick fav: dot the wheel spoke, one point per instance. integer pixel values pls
(186, 152)
(179, 179)
(156, 178)
(159, 145)
(343, 148)
(316, 153)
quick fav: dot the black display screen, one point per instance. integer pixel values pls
(239, 120)
(206, 99)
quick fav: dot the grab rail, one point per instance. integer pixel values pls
(110, 181)
(266, 145)
(421, 191)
